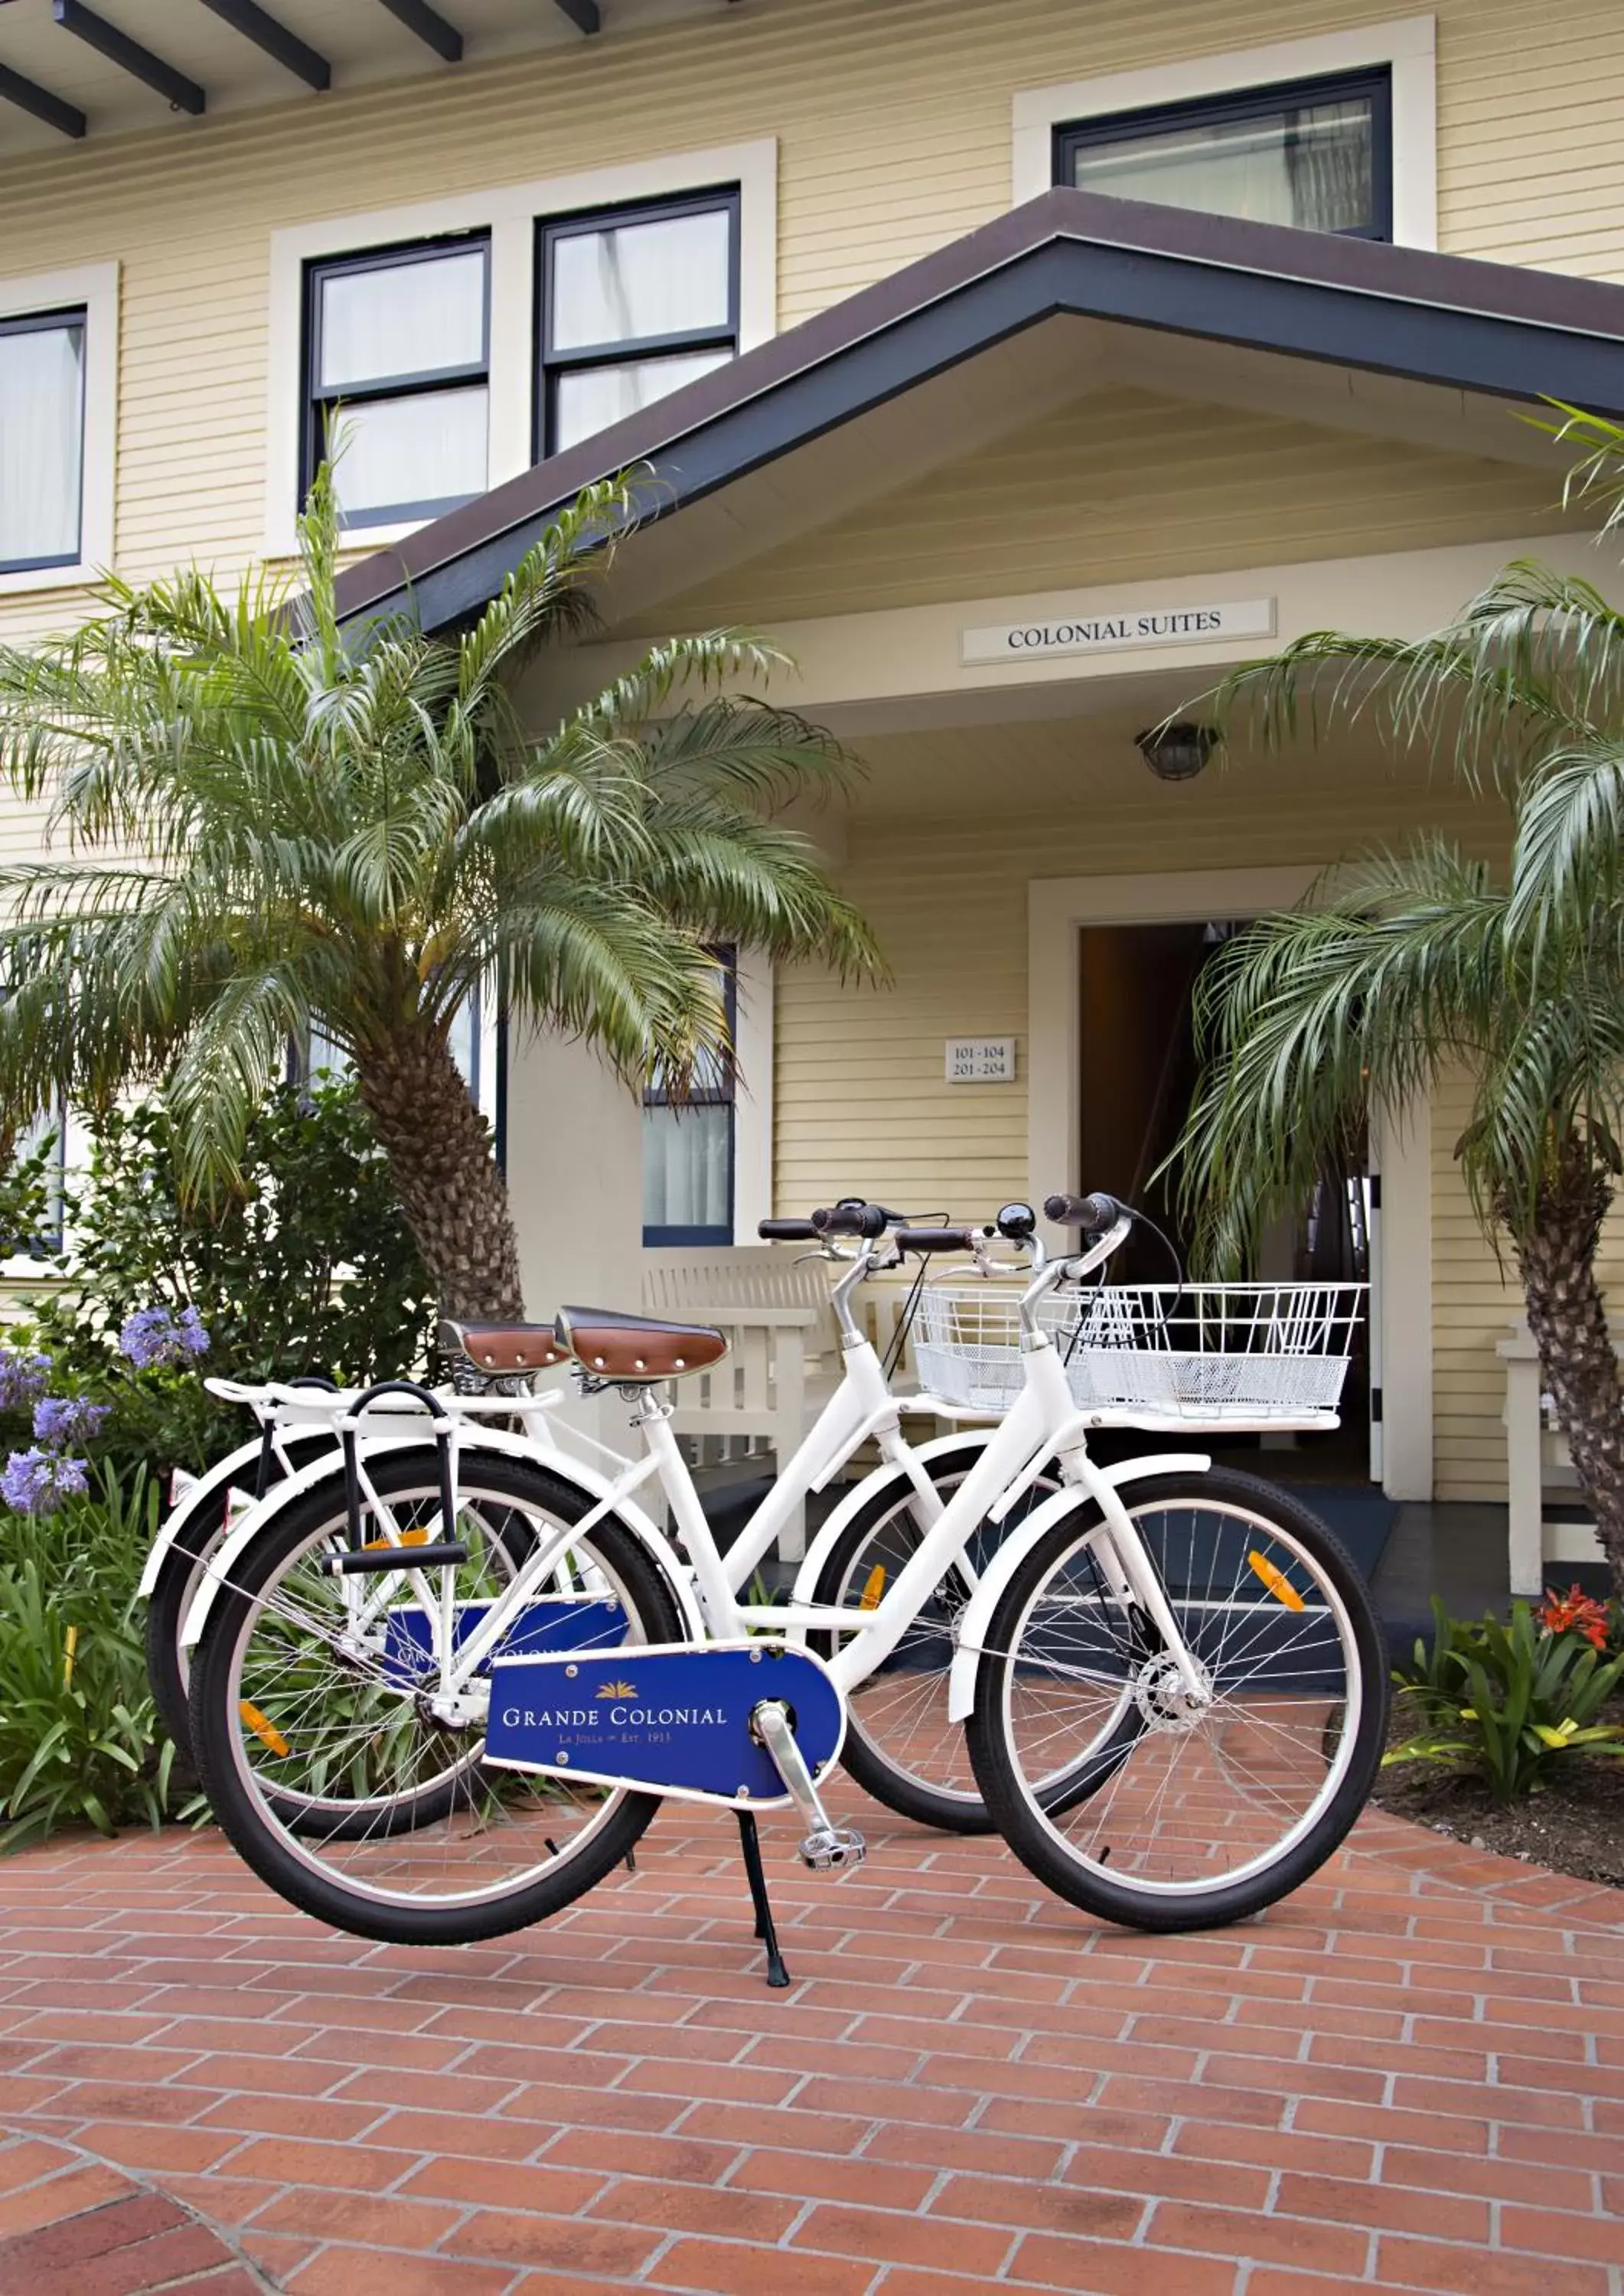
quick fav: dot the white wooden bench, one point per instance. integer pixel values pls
(773, 1306)
(1538, 1472)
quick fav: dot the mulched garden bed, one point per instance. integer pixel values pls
(1576, 1825)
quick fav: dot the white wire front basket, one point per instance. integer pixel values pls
(1219, 1354)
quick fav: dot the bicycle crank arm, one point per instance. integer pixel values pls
(827, 1846)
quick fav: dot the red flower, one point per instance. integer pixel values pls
(1575, 1614)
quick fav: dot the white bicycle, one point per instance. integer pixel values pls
(899, 1746)
(1172, 1677)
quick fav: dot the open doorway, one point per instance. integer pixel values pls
(1139, 1069)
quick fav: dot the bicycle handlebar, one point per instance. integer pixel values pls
(939, 1239)
(869, 1221)
(786, 1231)
(1093, 1213)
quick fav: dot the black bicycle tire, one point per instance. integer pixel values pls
(214, 1725)
(1022, 1827)
(865, 1762)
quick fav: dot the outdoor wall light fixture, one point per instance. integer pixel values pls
(1177, 752)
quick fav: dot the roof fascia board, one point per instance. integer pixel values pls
(1340, 322)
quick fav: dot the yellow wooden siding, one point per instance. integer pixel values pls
(1119, 485)
(862, 1104)
(893, 117)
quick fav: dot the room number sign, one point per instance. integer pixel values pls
(981, 1059)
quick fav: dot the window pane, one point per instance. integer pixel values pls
(1310, 166)
(685, 1158)
(403, 319)
(396, 454)
(589, 398)
(640, 279)
(41, 442)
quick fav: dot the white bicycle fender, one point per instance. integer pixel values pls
(184, 1510)
(972, 1626)
(219, 1568)
(859, 1496)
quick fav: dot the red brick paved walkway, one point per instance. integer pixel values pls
(1410, 2076)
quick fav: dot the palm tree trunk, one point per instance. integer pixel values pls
(440, 1150)
(1556, 1258)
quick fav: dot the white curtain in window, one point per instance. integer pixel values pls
(403, 319)
(643, 279)
(42, 398)
(685, 1154)
(394, 455)
(589, 398)
(1310, 168)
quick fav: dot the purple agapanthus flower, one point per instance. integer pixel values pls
(22, 1379)
(37, 1482)
(59, 1419)
(155, 1335)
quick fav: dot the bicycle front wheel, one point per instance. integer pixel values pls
(317, 1744)
(1205, 1810)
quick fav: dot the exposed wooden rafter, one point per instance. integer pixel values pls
(183, 95)
(27, 95)
(430, 26)
(245, 16)
(585, 15)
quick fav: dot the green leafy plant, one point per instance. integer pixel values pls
(79, 1738)
(1510, 1702)
(306, 1265)
(351, 830)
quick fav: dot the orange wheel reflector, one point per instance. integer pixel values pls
(264, 1728)
(1279, 1586)
(406, 1538)
(873, 1586)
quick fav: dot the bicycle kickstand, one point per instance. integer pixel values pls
(751, 1841)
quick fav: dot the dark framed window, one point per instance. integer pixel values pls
(688, 1147)
(49, 1134)
(396, 363)
(42, 440)
(633, 302)
(1315, 153)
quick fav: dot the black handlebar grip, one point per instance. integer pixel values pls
(1093, 1213)
(786, 1231)
(866, 1220)
(937, 1239)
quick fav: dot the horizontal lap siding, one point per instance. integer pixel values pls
(862, 1103)
(894, 124)
(1125, 485)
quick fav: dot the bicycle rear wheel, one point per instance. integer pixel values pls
(900, 1746)
(429, 1846)
(1202, 1813)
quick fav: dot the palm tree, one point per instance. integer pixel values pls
(1408, 966)
(264, 825)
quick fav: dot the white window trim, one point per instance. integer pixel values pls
(94, 288)
(510, 214)
(1057, 908)
(753, 1100)
(1406, 45)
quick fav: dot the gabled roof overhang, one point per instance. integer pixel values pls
(1491, 329)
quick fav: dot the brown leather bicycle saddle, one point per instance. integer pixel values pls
(504, 1350)
(632, 1348)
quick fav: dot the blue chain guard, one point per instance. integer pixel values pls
(672, 1717)
(550, 1623)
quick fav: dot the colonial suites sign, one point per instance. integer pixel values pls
(1114, 629)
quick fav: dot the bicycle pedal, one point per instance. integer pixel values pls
(831, 1847)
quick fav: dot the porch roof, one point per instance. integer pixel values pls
(1456, 324)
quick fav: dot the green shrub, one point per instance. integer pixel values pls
(1509, 1703)
(308, 1267)
(79, 1739)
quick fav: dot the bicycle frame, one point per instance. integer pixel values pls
(1042, 1421)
